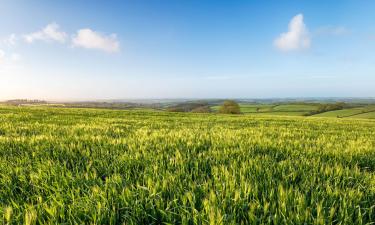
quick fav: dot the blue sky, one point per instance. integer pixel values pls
(59, 50)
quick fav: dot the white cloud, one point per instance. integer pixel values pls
(50, 33)
(296, 38)
(84, 38)
(87, 38)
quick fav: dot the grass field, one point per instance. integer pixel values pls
(340, 113)
(295, 108)
(369, 115)
(359, 112)
(275, 109)
(365, 112)
(77, 166)
(283, 113)
(251, 108)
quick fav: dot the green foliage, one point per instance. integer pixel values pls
(230, 107)
(358, 112)
(91, 166)
(327, 107)
(189, 107)
(288, 109)
(295, 107)
(201, 109)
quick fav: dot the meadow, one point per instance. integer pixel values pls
(100, 166)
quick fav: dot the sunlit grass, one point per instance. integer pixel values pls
(79, 166)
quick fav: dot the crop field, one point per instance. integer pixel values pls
(369, 115)
(300, 109)
(250, 108)
(97, 166)
(284, 113)
(340, 113)
(275, 109)
(295, 108)
(359, 112)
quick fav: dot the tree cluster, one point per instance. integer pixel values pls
(327, 107)
(230, 107)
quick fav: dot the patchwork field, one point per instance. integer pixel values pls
(77, 166)
(364, 112)
(275, 109)
(358, 112)
(295, 108)
(369, 115)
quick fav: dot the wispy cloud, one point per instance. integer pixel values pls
(332, 30)
(321, 76)
(296, 38)
(49, 33)
(11, 40)
(87, 38)
(223, 77)
(8, 58)
(218, 77)
(2, 56)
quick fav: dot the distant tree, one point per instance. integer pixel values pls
(186, 106)
(175, 109)
(328, 107)
(202, 109)
(230, 107)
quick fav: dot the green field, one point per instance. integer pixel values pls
(284, 113)
(369, 115)
(359, 112)
(340, 113)
(91, 166)
(275, 109)
(295, 108)
(251, 108)
(365, 112)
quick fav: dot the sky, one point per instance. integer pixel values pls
(85, 50)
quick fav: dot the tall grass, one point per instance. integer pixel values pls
(86, 166)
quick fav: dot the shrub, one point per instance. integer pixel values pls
(230, 107)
